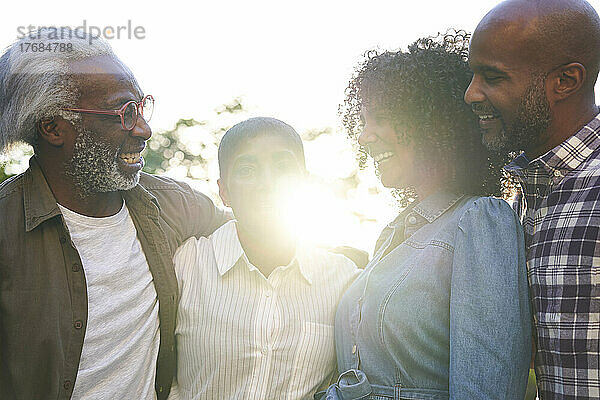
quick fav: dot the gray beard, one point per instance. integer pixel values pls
(94, 166)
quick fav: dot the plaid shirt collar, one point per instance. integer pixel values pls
(558, 201)
(565, 157)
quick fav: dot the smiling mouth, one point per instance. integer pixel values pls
(487, 117)
(381, 157)
(490, 122)
(130, 158)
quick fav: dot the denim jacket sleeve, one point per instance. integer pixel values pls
(490, 317)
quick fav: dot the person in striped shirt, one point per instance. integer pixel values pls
(257, 306)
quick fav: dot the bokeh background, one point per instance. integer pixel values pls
(211, 64)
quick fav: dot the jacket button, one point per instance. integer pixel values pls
(63, 239)
(75, 267)
(67, 385)
(78, 324)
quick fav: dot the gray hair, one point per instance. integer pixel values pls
(36, 85)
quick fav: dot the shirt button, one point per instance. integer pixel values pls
(354, 349)
(161, 389)
(67, 385)
(264, 350)
(412, 220)
(78, 324)
(75, 267)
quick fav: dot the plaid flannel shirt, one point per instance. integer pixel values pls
(560, 211)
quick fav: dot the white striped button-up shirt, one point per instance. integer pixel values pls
(243, 336)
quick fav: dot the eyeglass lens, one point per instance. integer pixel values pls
(130, 116)
(148, 108)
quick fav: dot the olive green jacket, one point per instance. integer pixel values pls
(43, 297)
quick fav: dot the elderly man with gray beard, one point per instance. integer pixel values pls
(87, 287)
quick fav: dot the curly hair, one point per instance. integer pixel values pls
(421, 94)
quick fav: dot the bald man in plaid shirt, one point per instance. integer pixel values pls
(535, 64)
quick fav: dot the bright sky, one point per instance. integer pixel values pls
(290, 60)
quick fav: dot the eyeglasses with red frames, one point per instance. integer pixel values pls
(129, 113)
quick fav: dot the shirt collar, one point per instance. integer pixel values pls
(568, 155)
(39, 202)
(518, 164)
(436, 204)
(229, 251)
(226, 246)
(306, 259)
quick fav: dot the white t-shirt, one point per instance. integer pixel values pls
(118, 360)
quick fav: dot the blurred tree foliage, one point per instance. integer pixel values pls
(163, 146)
(15, 162)
(3, 175)
(172, 148)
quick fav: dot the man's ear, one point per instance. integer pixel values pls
(223, 193)
(566, 80)
(53, 130)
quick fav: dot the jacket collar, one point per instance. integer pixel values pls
(139, 200)
(436, 204)
(40, 203)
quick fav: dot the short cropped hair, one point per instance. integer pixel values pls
(252, 128)
(36, 85)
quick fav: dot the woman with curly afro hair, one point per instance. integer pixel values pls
(442, 310)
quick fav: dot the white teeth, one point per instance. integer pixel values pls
(382, 156)
(486, 117)
(130, 158)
